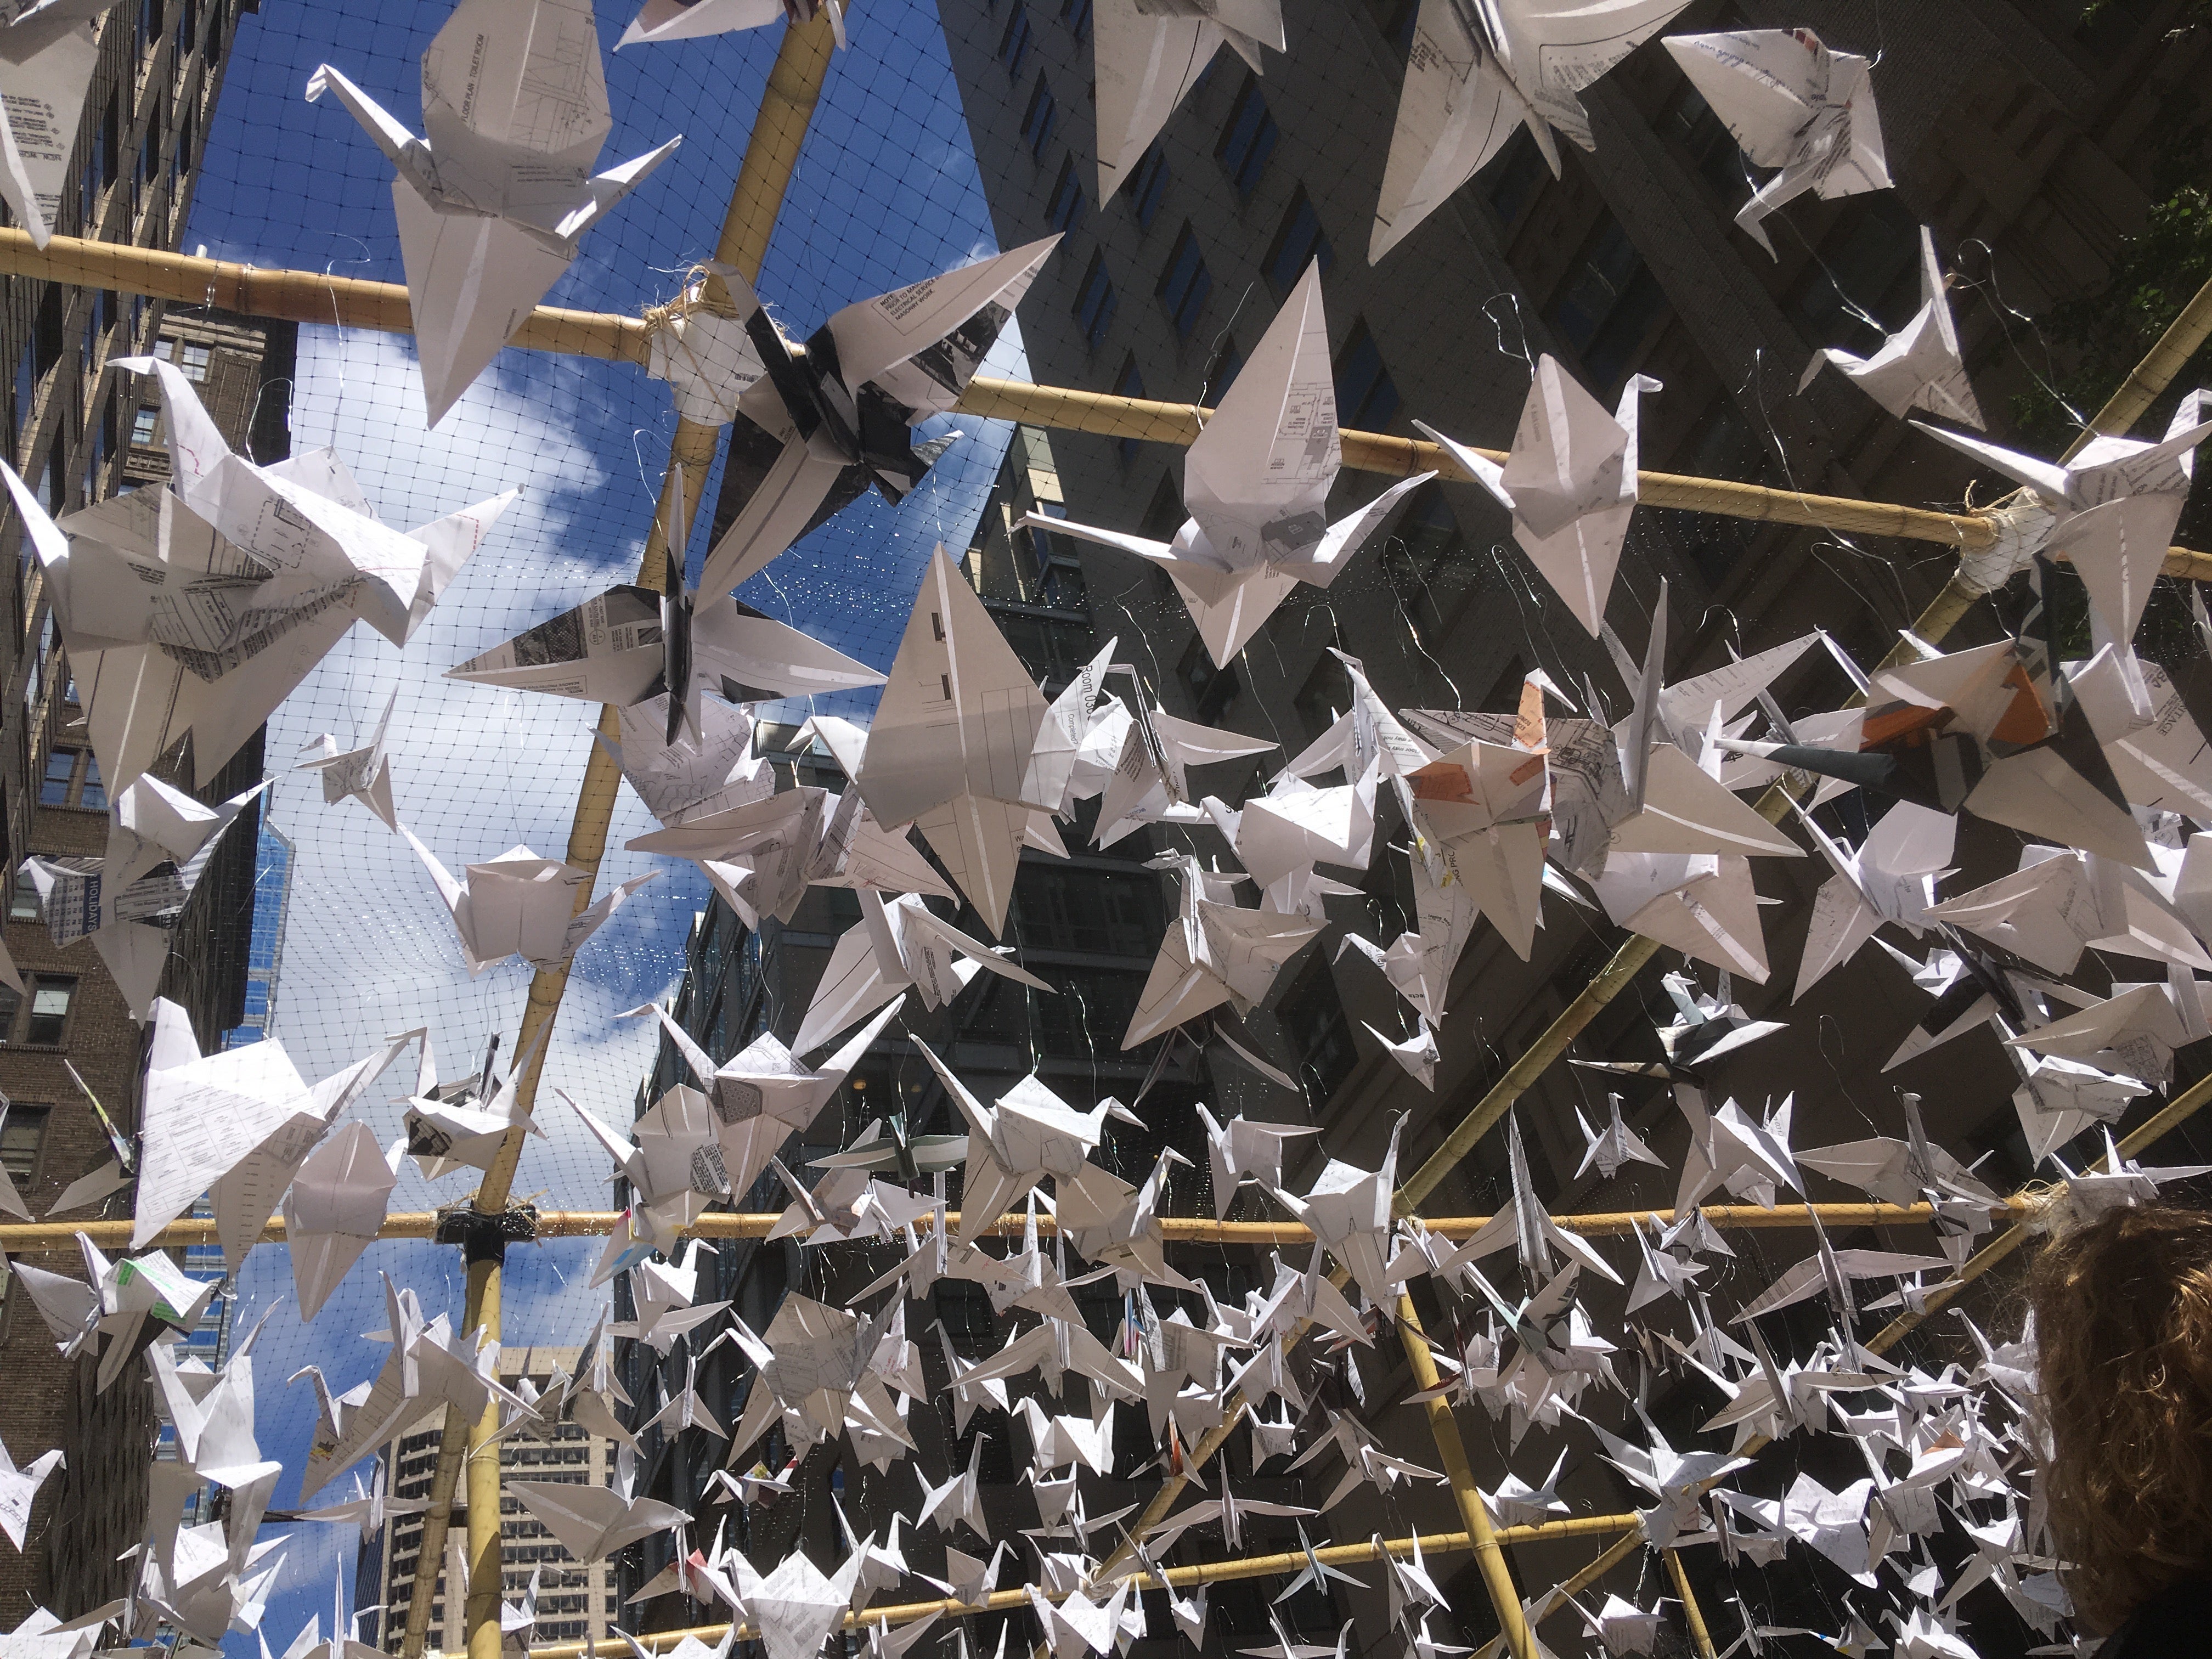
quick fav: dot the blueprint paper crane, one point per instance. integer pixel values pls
(193, 609)
(891, 947)
(48, 55)
(1570, 483)
(1146, 58)
(1919, 367)
(844, 408)
(1213, 952)
(660, 20)
(1791, 104)
(1480, 72)
(2116, 504)
(950, 750)
(494, 198)
(363, 775)
(519, 904)
(1255, 484)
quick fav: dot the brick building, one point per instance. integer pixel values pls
(71, 424)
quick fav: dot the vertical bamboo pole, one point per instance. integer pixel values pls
(788, 103)
(1700, 1638)
(1496, 1578)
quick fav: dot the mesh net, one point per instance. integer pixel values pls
(888, 191)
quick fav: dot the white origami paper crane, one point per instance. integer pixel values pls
(762, 1095)
(1145, 57)
(594, 1522)
(630, 645)
(658, 21)
(128, 902)
(1570, 483)
(713, 772)
(363, 775)
(1214, 953)
(240, 1120)
(843, 412)
(950, 750)
(1919, 366)
(1255, 484)
(891, 947)
(1478, 73)
(194, 609)
(519, 904)
(334, 1208)
(493, 200)
(1792, 104)
(1890, 878)
(2116, 504)
(48, 55)
(19, 1488)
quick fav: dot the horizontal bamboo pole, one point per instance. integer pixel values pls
(299, 296)
(310, 296)
(33, 1237)
(1374, 452)
(1188, 1577)
(2167, 1117)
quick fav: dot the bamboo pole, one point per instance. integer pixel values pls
(1693, 1614)
(2144, 1134)
(1496, 1578)
(309, 296)
(1184, 1577)
(2174, 348)
(36, 1237)
(786, 108)
(299, 296)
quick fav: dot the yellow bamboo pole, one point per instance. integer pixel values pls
(2146, 1133)
(300, 296)
(2188, 330)
(1496, 1578)
(36, 1237)
(1693, 1614)
(310, 296)
(794, 86)
(1184, 1577)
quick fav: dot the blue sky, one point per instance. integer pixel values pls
(886, 192)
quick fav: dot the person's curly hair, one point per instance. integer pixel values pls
(2123, 1309)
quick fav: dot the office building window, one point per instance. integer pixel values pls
(1427, 546)
(72, 779)
(1312, 1016)
(42, 1019)
(1129, 384)
(1518, 174)
(143, 426)
(1709, 147)
(1014, 44)
(1147, 183)
(1366, 397)
(1221, 373)
(1397, 19)
(1094, 301)
(22, 1135)
(1185, 284)
(193, 359)
(1871, 248)
(23, 905)
(1299, 242)
(1037, 120)
(1249, 139)
(1607, 304)
(1164, 515)
(1065, 212)
(1212, 690)
(1076, 14)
